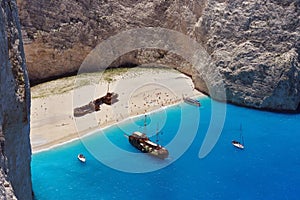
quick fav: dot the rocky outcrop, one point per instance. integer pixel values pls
(253, 44)
(6, 190)
(15, 150)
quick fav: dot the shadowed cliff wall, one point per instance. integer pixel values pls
(15, 150)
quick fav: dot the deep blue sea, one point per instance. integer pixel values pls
(268, 167)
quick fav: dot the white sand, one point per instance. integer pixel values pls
(140, 90)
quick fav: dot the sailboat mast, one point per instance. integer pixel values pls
(157, 136)
(241, 134)
(145, 123)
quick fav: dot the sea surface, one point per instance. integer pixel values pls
(268, 167)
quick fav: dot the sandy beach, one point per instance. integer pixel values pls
(140, 91)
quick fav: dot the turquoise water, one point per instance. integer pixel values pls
(268, 167)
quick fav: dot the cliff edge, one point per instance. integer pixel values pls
(15, 150)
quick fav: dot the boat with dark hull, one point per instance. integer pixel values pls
(109, 98)
(144, 144)
(191, 101)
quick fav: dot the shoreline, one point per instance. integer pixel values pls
(72, 137)
(53, 123)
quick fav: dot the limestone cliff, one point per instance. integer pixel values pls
(256, 46)
(253, 44)
(15, 150)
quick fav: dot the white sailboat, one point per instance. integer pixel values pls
(239, 144)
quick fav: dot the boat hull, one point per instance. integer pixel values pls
(144, 145)
(192, 102)
(237, 144)
(81, 158)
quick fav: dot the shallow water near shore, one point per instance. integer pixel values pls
(268, 167)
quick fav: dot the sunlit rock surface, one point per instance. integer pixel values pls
(254, 45)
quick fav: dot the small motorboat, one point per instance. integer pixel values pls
(81, 158)
(191, 101)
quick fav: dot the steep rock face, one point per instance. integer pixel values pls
(253, 45)
(59, 34)
(15, 150)
(6, 190)
(256, 46)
